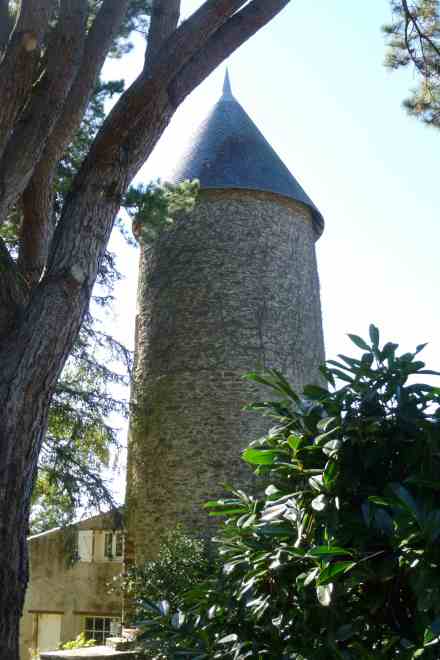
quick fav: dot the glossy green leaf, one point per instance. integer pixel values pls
(262, 456)
(315, 392)
(342, 376)
(332, 447)
(324, 437)
(360, 343)
(404, 496)
(323, 424)
(330, 572)
(328, 551)
(330, 473)
(295, 441)
(374, 335)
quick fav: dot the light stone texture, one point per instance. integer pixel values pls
(231, 288)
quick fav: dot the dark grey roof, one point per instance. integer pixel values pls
(228, 151)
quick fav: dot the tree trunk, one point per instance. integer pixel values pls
(39, 321)
(32, 356)
(26, 416)
(30, 362)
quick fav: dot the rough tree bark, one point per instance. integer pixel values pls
(49, 64)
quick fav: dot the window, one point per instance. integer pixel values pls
(119, 544)
(99, 628)
(85, 545)
(113, 545)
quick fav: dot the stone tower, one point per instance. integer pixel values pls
(233, 287)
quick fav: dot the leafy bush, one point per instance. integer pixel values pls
(182, 562)
(340, 557)
(80, 642)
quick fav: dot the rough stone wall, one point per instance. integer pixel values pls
(233, 287)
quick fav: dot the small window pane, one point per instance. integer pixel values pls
(98, 628)
(119, 545)
(108, 543)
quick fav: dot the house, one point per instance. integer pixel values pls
(71, 571)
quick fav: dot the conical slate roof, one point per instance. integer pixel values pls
(228, 151)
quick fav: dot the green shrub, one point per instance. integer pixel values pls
(340, 557)
(80, 642)
(182, 562)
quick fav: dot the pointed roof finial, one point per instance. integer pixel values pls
(227, 90)
(228, 152)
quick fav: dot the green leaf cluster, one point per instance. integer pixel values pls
(155, 207)
(157, 589)
(80, 642)
(339, 558)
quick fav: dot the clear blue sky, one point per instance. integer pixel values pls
(313, 81)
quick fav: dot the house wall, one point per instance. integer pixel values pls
(72, 591)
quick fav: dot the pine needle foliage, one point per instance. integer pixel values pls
(413, 39)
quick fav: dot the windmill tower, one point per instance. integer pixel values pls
(233, 287)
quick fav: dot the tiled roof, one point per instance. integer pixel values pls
(228, 151)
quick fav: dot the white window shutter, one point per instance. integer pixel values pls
(85, 545)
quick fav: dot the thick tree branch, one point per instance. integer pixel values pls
(125, 141)
(37, 222)
(18, 66)
(46, 104)
(223, 43)
(177, 46)
(126, 133)
(164, 19)
(38, 196)
(122, 145)
(98, 43)
(190, 37)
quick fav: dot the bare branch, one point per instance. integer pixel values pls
(46, 104)
(222, 44)
(18, 66)
(164, 19)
